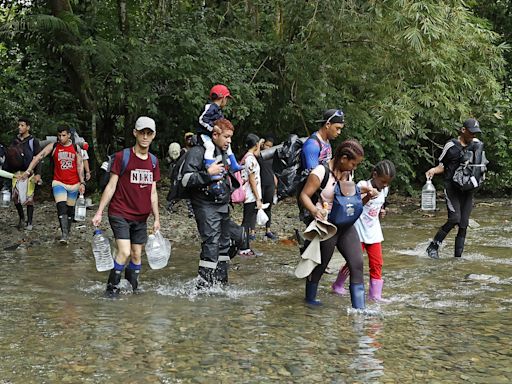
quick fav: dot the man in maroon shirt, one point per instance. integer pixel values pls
(132, 195)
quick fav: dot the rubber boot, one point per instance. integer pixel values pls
(132, 275)
(357, 295)
(311, 289)
(21, 215)
(64, 228)
(206, 277)
(30, 216)
(459, 245)
(113, 283)
(433, 247)
(338, 286)
(375, 291)
(233, 164)
(71, 217)
(221, 272)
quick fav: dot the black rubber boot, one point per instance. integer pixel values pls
(459, 245)
(205, 278)
(71, 217)
(433, 247)
(21, 215)
(30, 216)
(311, 290)
(64, 228)
(132, 275)
(221, 272)
(113, 283)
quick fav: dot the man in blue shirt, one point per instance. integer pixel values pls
(317, 148)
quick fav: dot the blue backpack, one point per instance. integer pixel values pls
(126, 157)
(345, 209)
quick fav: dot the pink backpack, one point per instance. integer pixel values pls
(238, 195)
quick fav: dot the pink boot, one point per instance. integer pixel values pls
(337, 286)
(375, 291)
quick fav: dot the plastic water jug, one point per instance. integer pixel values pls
(5, 198)
(158, 250)
(80, 209)
(101, 251)
(428, 196)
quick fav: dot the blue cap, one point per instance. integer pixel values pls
(97, 231)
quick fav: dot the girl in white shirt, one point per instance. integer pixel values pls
(369, 230)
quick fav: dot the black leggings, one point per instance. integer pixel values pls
(347, 242)
(249, 218)
(267, 192)
(460, 205)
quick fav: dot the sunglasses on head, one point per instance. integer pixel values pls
(337, 113)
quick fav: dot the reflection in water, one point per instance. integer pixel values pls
(448, 320)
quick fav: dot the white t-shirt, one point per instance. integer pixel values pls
(251, 166)
(368, 225)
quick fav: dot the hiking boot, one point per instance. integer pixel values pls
(433, 250)
(271, 235)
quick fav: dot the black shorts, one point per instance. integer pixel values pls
(135, 231)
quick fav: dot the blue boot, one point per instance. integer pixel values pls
(357, 295)
(311, 289)
(233, 164)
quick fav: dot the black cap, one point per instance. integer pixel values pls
(333, 116)
(472, 125)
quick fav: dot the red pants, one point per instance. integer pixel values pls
(375, 261)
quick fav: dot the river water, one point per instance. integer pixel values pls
(448, 320)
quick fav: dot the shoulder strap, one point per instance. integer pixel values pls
(153, 160)
(126, 159)
(326, 176)
(53, 149)
(31, 144)
(314, 136)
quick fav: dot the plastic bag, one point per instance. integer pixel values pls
(158, 250)
(261, 217)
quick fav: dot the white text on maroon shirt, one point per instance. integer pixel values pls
(141, 176)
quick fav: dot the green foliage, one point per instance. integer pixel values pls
(406, 72)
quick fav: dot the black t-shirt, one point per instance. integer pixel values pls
(266, 172)
(451, 158)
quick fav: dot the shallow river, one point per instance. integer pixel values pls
(449, 320)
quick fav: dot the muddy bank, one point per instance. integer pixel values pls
(178, 227)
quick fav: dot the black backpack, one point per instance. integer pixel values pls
(470, 174)
(177, 191)
(105, 177)
(16, 158)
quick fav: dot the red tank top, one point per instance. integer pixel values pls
(65, 164)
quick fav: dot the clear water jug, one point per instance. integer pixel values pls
(428, 196)
(158, 250)
(80, 209)
(101, 251)
(5, 198)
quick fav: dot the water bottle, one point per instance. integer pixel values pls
(101, 251)
(5, 198)
(428, 196)
(80, 209)
(158, 250)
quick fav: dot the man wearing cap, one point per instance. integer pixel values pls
(210, 196)
(459, 203)
(131, 192)
(317, 148)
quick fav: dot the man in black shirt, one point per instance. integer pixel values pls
(458, 202)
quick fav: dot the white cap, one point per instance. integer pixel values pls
(145, 122)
